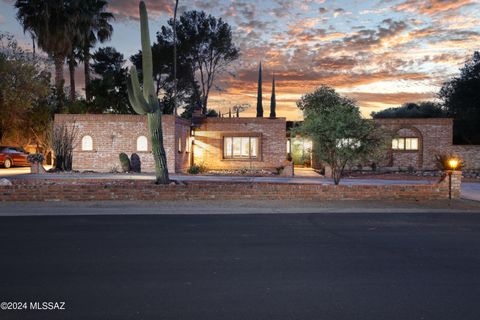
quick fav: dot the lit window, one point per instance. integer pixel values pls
(187, 144)
(348, 142)
(405, 144)
(240, 147)
(87, 143)
(142, 143)
(179, 145)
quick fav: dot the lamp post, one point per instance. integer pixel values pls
(453, 163)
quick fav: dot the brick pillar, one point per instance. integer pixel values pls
(456, 183)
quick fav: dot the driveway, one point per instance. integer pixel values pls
(471, 190)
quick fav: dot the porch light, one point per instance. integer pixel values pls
(192, 133)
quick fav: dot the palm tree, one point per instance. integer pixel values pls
(50, 23)
(94, 25)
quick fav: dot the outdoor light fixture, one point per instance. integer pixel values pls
(453, 164)
(192, 132)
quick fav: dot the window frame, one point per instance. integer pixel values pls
(402, 141)
(250, 136)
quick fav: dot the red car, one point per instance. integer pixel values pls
(13, 156)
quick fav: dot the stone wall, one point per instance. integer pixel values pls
(122, 190)
(112, 134)
(272, 147)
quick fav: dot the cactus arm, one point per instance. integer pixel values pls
(140, 105)
(131, 98)
(147, 62)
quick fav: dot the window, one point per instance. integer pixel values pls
(348, 143)
(240, 147)
(187, 144)
(87, 143)
(405, 144)
(142, 143)
(179, 145)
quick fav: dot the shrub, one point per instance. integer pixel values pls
(124, 162)
(35, 158)
(63, 140)
(441, 161)
(197, 168)
(136, 163)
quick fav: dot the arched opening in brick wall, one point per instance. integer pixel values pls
(407, 148)
(87, 143)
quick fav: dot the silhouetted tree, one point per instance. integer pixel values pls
(425, 109)
(461, 97)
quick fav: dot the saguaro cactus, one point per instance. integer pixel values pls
(147, 102)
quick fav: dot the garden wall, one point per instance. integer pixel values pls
(101, 190)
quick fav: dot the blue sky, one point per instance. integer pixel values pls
(381, 53)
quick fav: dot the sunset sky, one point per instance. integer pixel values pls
(381, 53)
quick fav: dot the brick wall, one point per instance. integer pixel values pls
(113, 134)
(99, 190)
(435, 137)
(183, 152)
(209, 142)
(470, 154)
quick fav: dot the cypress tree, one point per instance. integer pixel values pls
(273, 102)
(259, 93)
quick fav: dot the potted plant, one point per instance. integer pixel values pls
(36, 162)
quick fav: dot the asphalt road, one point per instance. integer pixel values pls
(276, 266)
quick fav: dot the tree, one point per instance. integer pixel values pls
(339, 134)
(184, 89)
(109, 89)
(273, 101)
(146, 102)
(205, 42)
(426, 109)
(461, 98)
(94, 25)
(259, 93)
(50, 22)
(24, 89)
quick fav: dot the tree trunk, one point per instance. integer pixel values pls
(71, 69)
(86, 65)
(204, 105)
(156, 134)
(59, 80)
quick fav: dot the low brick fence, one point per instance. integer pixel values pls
(101, 190)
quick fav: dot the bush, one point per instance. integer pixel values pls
(35, 158)
(124, 162)
(441, 161)
(197, 168)
(136, 163)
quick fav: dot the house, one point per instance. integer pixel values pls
(217, 143)
(416, 142)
